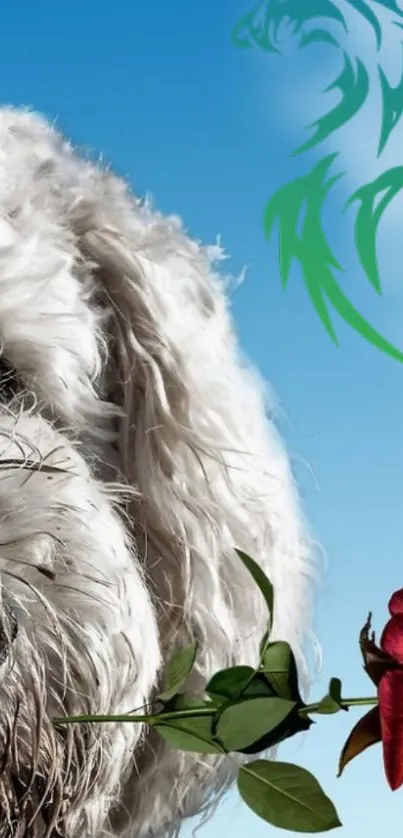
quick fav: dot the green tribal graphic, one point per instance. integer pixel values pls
(304, 197)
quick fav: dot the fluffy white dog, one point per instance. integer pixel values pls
(135, 454)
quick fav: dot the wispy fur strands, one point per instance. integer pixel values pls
(128, 378)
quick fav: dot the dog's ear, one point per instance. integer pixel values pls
(155, 285)
(194, 434)
(147, 378)
(144, 373)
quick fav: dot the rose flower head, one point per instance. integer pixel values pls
(384, 722)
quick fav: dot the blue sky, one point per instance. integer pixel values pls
(207, 130)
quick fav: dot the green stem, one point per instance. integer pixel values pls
(359, 702)
(345, 702)
(150, 720)
(157, 718)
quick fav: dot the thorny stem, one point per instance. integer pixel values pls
(157, 718)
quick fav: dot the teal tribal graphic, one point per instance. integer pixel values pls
(304, 197)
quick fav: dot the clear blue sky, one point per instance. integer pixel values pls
(207, 130)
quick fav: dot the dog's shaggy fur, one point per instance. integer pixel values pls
(121, 377)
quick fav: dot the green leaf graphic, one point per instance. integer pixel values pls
(299, 204)
(354, 87)
(286, 796)
(391, 5)
(254, 29)
(392, 106)
(314, 255)
(311, 249)
(369, 15)
(369, 216)
(317, 36)
(260, 26)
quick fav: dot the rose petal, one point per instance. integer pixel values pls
(376, 661)
(366, 732)
(396, 603)
(390, 694)
(392, 638)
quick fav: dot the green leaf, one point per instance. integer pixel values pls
(327, 706)
(178, 736)
(189, 734)
(290, 727)
(241, 725)
(292, 724)
(261, 580)
(264, 643)
(286, 796)
(331, 703)
(181, 701)
(280, 674)
(259, 687)
(229, 683)
(335, 690)
(279, 666)
(238, 682)
(178, 669)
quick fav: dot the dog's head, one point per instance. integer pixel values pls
(134, 455)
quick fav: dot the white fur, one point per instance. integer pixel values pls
(129, 381)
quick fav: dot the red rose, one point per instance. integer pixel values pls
(384, 723)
